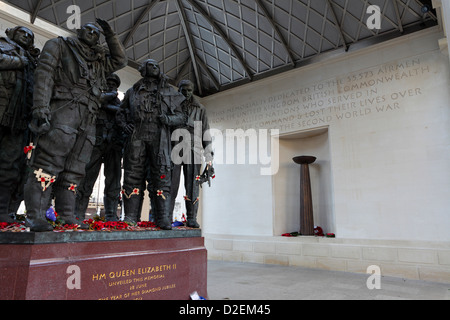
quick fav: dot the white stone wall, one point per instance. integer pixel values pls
(386, 113)
(378, 120)
(418, 260)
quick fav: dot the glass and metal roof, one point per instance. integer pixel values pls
(221, 44)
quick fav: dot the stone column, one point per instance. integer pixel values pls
(306, 205)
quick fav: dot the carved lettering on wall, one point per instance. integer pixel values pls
(378, 90)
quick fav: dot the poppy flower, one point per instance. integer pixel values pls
(28, 149)
(160, 193)
(146, 224)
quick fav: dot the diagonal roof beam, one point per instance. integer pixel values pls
(222, 35)
(277, 30)
(432, 15)
(397, 14)
(35, 12)
(208, 72)
(346, 47)
(186, 65)
(137, 23)
(203, 66)
(190, 43)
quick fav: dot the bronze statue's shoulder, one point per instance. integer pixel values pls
(6, 45)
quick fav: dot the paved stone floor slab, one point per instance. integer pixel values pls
(244, 281)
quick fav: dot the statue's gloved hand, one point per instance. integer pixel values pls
(42, 114)
(41, 120)
(107, 30)
(108, 96)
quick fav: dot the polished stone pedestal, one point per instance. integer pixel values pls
(146, 265)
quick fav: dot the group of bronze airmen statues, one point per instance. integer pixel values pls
(61, 119)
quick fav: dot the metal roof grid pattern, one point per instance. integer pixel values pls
(220, 44)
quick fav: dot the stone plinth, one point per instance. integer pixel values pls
(147, 265)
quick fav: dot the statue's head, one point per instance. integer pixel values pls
(89, 34)
(23, 36)
(150, 69)
(113, 82)
(186, 87)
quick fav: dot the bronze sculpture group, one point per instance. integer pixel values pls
(61, 107)
(18, 61)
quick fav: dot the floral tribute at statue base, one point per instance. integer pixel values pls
(96, 224)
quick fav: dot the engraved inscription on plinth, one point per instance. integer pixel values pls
(145, 269)
(119, 281)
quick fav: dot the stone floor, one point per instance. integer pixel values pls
(239, 281)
